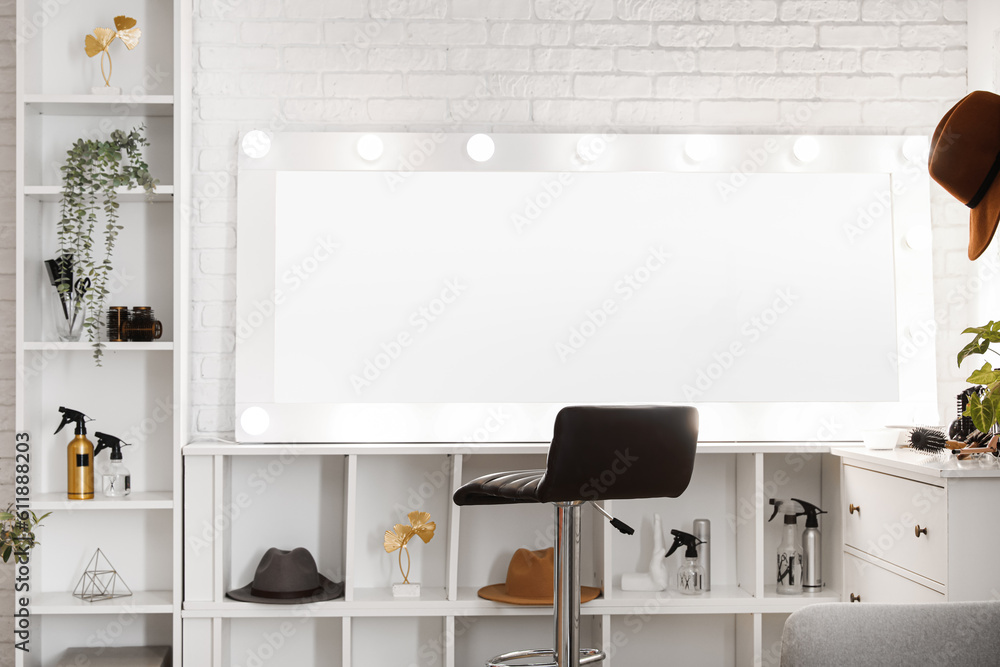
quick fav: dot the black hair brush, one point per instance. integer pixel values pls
(927, 439)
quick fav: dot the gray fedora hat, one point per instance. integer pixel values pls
(288, 577)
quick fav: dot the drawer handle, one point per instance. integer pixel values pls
(918, 531)
(852, 508)
(855, 598)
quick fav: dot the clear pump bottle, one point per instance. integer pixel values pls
(789, 559)
(789, 553)
(116, 480)
(690, 575)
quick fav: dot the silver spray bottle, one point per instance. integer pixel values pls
(812, 548)
(702, 529)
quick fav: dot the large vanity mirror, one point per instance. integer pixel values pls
(455, 288)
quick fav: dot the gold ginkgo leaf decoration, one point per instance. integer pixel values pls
(102, 38)
(397, 538)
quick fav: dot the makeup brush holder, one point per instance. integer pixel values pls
(143, 325)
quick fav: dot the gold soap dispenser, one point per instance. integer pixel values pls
(79, 457)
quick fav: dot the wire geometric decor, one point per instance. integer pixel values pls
(100, 583)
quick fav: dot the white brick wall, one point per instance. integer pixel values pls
(863, 66)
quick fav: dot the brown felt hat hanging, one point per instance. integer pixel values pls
(965, 160)
(530, 577)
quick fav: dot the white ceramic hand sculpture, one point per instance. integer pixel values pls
(656, 578)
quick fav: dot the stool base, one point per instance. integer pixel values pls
(588, 656)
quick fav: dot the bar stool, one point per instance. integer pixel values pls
(597, 453)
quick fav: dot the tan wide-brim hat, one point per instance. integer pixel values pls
(965, 161)
(530, 577)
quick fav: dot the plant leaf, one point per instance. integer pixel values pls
(977, 346)
(982, 412)
(985, 375)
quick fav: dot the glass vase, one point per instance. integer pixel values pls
(69, 312)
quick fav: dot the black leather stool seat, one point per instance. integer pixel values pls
(601, 453)
(501, 488)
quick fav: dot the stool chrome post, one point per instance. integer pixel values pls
(566, 584)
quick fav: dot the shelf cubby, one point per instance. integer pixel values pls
(143, 273)
(134, 405)
(55, 62)
(285, 502)
(386, 491)
(57, 133)
(52, 635)
(137, 544)
(290, 641)
(398, 640)
(479, 638)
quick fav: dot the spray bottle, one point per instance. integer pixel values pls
(115, 477)
(690, 575)
(789, 554)
(812, 571)
(79, 457)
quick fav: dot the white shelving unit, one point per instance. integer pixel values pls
(239, 501)
(139, 393)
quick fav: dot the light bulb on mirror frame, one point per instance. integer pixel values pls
(480, 147)
(370, 147)
(256, 144)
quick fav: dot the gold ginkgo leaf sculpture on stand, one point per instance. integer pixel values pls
(396, 540)
(102, 38)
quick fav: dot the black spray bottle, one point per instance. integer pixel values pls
(812, 548)
(79, 457)
(690, 575)
(115, 478)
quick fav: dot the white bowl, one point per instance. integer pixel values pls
(880, 438)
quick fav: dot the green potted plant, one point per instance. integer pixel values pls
(17, 532)
(93, 172)
(984, 410)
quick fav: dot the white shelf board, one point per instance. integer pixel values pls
(49, 193)
(235, 609)
(774, 603)
(84, 346)
(137, 500)
(100, 105)
(214, 448)
(373, 602)
(140, 602)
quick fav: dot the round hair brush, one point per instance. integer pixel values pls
(927, 439)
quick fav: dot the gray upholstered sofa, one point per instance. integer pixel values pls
(957, 634)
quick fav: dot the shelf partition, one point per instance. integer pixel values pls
(99, 105)
(53, 193)
(139, 500)
(140, 602)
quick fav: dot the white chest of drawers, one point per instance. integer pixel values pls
(915, 530)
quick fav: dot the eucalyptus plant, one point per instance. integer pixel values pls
(984, 410)
(93, 171)
(17, 532)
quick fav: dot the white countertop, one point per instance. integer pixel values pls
(915, 461)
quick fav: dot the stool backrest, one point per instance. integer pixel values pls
(620, 452)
